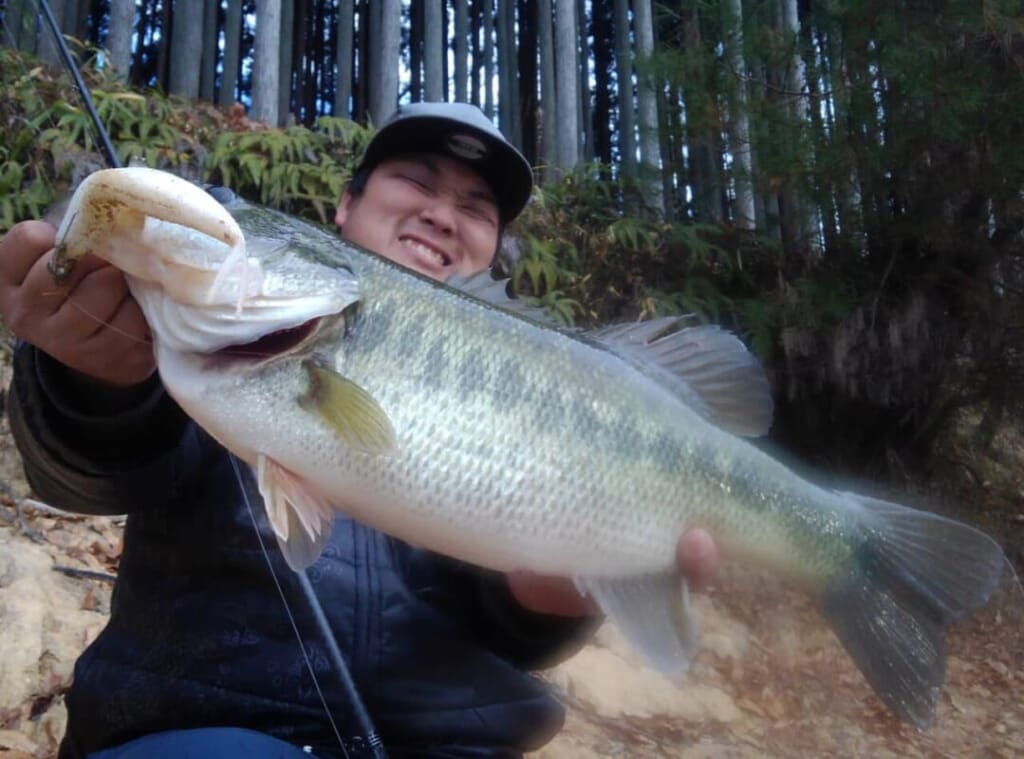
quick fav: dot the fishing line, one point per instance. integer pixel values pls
(243, 488)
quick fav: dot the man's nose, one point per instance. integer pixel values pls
(440, 213)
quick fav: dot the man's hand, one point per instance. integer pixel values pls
(696, 555)
(90, 323)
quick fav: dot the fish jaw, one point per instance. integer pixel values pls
(188, 263)
(160, 228)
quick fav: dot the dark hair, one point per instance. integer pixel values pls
(356, 185)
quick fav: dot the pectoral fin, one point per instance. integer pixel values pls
(300, 519)
(351, 412)
(653, 613)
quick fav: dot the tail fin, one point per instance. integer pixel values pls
(915, 573)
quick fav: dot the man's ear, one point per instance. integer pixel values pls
(341, 214)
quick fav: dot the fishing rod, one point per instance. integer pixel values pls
(69, 63)
(369, 743)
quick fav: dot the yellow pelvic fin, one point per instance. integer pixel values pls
(353, 414)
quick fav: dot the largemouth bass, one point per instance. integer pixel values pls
(349, 383)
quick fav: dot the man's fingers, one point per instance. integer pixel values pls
(697, 555)
(21, 247)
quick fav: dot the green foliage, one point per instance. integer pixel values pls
(298, 170)
(48, 144)
(576, 247)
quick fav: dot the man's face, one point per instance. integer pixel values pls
(428, 212)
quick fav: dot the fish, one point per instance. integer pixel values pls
(452, 418)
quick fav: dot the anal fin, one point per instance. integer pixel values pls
(653, 612)
(301, 520)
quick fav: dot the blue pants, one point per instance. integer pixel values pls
(204, 743)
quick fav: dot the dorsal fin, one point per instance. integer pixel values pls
(707, 366)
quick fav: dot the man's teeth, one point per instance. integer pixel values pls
(427, 251)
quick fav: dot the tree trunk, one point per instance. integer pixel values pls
(508, 73)
(461, 74)
(744, 215)
(385, 48)
(624, 77)
(434, 50)
(343, 81)
(232, 43)
(566, 86)
(119, 37)
(650, 153)
(802, 216)
(489, 58)
(288, 75)
(266, 67)
(208, 66)
(186, 48)
(526, 65)
(548, 151)
(48, 49)
(15, 18)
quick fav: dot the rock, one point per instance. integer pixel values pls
(45, 627)
(611, 679)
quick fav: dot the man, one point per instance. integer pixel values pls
(199, 657)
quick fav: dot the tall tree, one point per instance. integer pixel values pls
(567, 100)
(186, 48)
(291, 53)
(211, 36)
(460, 79)
(266, 67)
(508, 72)
(488, 84)
(48, 47)
(548, 96)
(121, 25)
(343, 82)
(386, 38)
(800, 218)
(434, 50)
(650, 151)
(744, 215)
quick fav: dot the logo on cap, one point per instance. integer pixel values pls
(466, 146)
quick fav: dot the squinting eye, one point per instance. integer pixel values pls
(416, 181)
(481, 213)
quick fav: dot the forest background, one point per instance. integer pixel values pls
(841, 183)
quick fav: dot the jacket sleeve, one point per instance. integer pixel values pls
(483, 601)
(94, 449)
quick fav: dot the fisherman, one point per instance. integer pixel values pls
(200, 657)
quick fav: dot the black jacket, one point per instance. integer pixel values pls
(199, 634)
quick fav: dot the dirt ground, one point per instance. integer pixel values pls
(770, 681)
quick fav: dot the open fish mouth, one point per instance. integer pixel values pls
(271, 345)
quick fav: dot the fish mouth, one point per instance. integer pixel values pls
(269, 346)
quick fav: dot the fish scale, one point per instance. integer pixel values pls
(353, 385)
